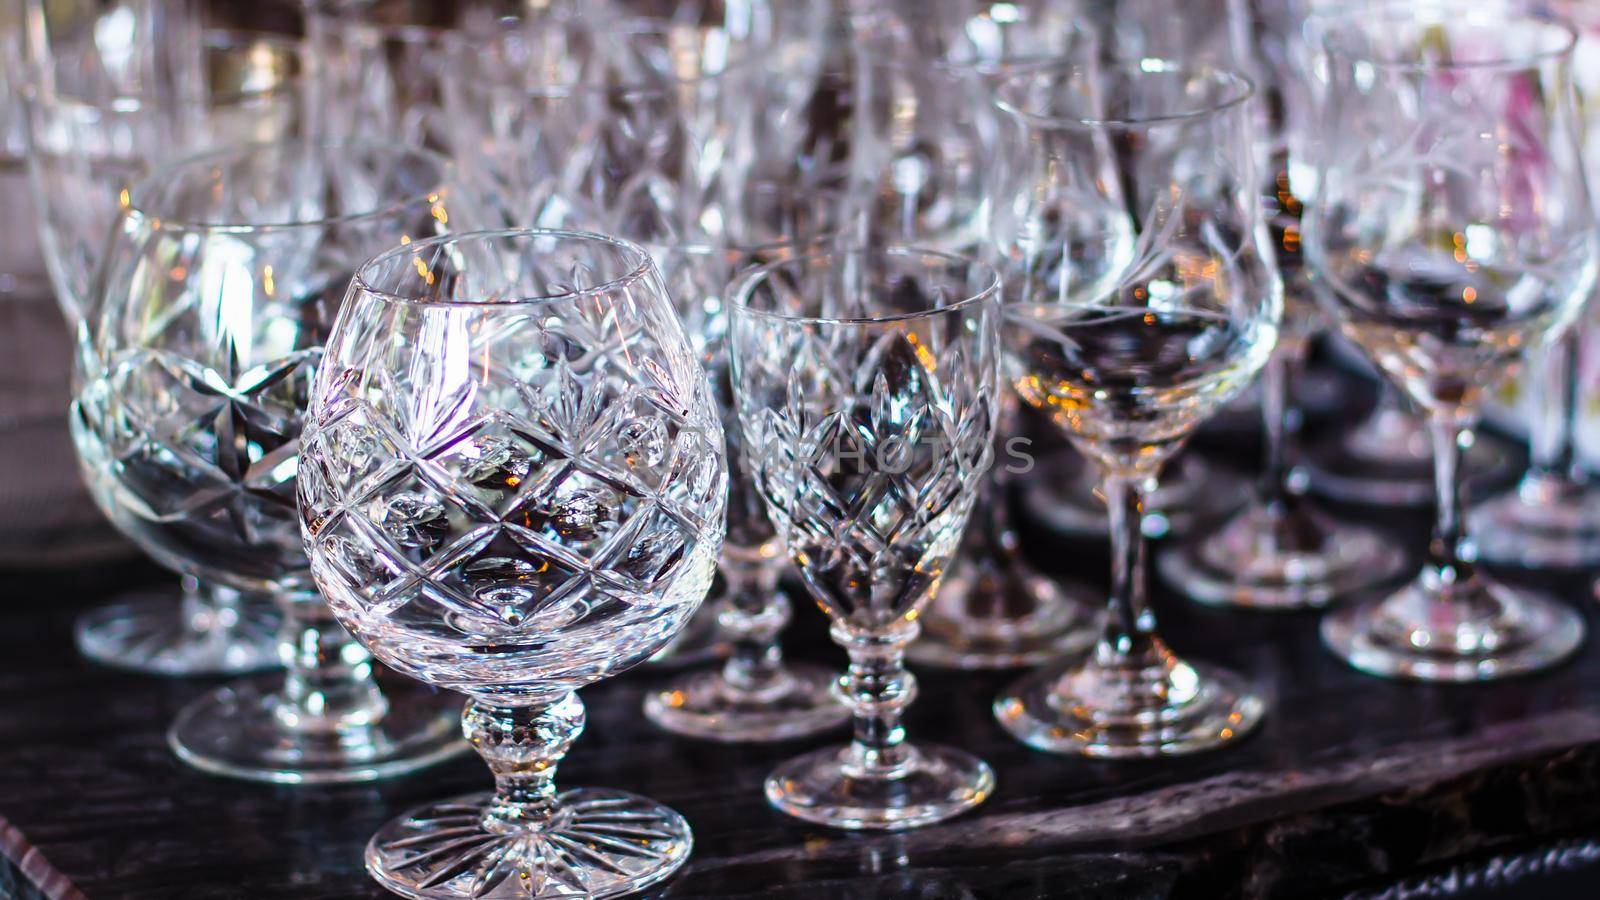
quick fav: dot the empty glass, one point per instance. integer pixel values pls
(101, 113)
(220, 285)
(1141, 298)
(1452, 230)
(755, 695)
(512, 486)
(866, 384)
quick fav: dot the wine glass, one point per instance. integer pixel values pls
(1141, 298)
(512, 486)
(755, 695)
(1452, 232)
(99, 116)
(1280, 551)
(1552, 516)
(219, 287)
(866, 384)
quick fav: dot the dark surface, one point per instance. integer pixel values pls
(1353, 787)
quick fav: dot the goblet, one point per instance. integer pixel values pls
(1552, 516)
(755, 695)
(866, 385)
(220, 286)
(1141, 298)
(1453, 230)
(513, 486)
(96, 121)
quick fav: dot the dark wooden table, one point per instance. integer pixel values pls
(1353, 787)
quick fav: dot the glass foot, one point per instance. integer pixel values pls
(1485, 632)
(703, 705)
(698, 644)
(599, 843)
(158, 636)
(237, 732)
(1097, 711)
(1066, 499)
(934, 784)
(1541, 523)
(1025, 618)
(1265, 559)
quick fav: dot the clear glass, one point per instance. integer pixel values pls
(513, 485)
(1453, 230)
(1280, 552)
(1551, 518)
(866, 384)
(220, 285)
(1141, 298)
(1064, 496)
(99, 114)
(755, 695)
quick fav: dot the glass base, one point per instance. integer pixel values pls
(1297, 559)
(1541, 523)
(154, 636)
(936, 783)
(703, 705)
(1486, 632)
(1393, 465)
(699, 643)
(1049, 623)
(1096, 711)
(1065, 500)
(236, 732)
(600, 843)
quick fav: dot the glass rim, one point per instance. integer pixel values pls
(748, 60)
(164, 174)
(1243, 90)
(362, 282)
(32, 89)
(746, 283)
(1443, 14)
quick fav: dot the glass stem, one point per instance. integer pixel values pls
(1275, 422)
(1554, 456)
(522, 746)
(1450, 554)
(1130, 630)
(877, 688)
(328, 686)
(754, 613)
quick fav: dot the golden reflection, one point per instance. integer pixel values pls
(924, 358)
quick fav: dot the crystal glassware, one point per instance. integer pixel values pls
(755, 695)
(513, 486)
(866, 383)
(1452, 231)
(1552, 516)
(1141, 298)
(1280, 551)
(100, 115)
(220, 285)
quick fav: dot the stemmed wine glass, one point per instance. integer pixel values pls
(219, 287)
(96, 120)
(512, 486)
(866, 385)
(755, 695)
(1141, 298)
(1452, 231)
